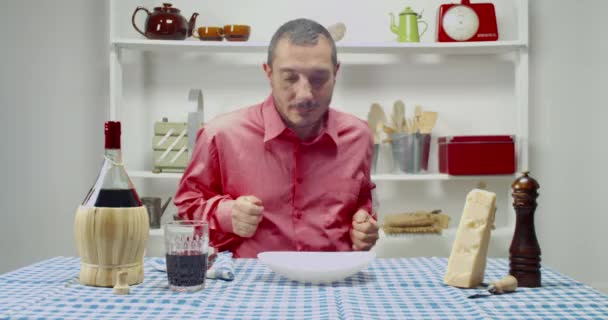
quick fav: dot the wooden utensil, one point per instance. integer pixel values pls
(378, 133)
(411, 125)
(398, 115)
(427, 122)
(417, 117)
(388, 130)
(376, 118)
(337, 31)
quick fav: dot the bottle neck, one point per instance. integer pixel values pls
(114, 155)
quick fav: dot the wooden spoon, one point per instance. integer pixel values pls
(378, 133)
(376, 118)
(398, 115)
(411, 125)
(417, 117)
(388, 130)
(427, 122)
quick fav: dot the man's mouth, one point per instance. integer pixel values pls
(306, 107)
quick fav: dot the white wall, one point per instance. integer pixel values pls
(54, 94)
(569, 77)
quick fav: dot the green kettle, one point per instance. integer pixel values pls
(407, 30)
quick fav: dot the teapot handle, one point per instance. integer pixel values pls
(426, 26)
(162, 210)
(133, 19)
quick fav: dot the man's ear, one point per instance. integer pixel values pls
(267, 70)
(336, 72)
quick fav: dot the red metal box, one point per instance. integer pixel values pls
(477, 155)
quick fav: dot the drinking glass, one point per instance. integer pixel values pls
(186, 249)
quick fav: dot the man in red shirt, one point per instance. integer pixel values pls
(290, 173)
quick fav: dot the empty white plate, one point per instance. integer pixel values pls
(316, 267)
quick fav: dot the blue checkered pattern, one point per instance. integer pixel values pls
(388, 289)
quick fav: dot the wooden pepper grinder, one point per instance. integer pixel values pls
(524, 253)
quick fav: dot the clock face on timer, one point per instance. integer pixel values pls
(460, 23)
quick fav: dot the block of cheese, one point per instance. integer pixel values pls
(467, 261)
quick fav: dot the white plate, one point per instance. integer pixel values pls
(316, 267)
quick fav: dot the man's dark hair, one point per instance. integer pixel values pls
(301, 32)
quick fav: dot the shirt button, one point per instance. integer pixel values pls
(298, 214)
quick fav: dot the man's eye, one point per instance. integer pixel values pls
(291, 79)
(318, 81)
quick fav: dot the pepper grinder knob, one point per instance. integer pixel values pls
(524, 253)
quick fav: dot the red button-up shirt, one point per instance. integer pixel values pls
(309, 190)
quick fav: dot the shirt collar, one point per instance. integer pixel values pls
(275, 126)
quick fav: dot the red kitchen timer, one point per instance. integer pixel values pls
(466, 22)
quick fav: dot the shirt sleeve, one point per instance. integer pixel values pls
(200, 194)
(365, 201)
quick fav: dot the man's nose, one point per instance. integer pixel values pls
(303, 90)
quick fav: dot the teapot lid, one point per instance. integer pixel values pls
(408, 10)
(167, 8)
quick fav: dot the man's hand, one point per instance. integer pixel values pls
(365, 231)
(246, 215)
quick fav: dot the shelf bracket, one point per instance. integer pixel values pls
(196, 117)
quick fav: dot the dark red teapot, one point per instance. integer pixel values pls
(166, 23)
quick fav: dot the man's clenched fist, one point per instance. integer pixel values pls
(246, 215)
(365, 231)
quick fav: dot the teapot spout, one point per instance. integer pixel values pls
(165, 206)
(192, 24)
(394, 28)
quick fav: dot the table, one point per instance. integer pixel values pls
(406, 288)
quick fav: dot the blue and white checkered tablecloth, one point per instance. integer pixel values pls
(388, 289)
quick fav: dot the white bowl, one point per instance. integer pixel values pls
(316, 267)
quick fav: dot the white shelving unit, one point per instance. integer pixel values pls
(513, 49)
(496, 47)
(375, 177)
(152, 175)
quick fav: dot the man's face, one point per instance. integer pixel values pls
(302, 80)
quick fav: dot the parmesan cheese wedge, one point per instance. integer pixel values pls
(467, 262)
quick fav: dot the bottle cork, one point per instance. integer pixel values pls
(506, 284)
(122, 285)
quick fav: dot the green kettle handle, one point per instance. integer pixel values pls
(426, 26)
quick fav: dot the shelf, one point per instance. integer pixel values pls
(434, 177)
(449, 233)
(156, 232)
(427, 245)
(150, 174)
(488, 47)
(375, 177)
(410, 177)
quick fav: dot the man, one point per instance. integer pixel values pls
(288, 174)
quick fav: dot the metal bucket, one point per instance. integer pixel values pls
(410, 152)
(375, 157)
